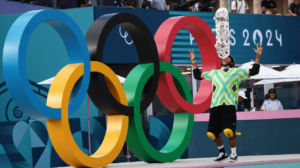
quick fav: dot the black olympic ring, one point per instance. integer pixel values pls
(146, 50)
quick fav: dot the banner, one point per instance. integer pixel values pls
(277, 33)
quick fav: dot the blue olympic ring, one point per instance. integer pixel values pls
(14, 61)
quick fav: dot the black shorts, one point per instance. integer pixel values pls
(222, 117)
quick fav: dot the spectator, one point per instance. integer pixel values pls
(268, 7)
(294, 8)
(254, 97)
(272, 103)
(239, 6)
(242, 97)
(267, 97)
(206, 5)
(84, 3)
(146, 4)
(122, 3)
(155, 4)
(132, 3)
(186, 6)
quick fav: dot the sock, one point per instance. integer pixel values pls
(221, 149)
(233, 151)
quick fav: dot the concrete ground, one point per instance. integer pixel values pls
(208, 162)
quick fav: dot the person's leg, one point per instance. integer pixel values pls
(229, 125)
(232, 142)
(219, 141)
(214, 130)
(222, 155)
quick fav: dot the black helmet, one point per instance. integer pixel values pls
(232, 61)
(272, 91)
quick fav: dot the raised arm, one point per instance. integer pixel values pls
(197, 73)
(255, 69)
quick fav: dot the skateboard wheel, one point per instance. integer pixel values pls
(216, 45)
(225, 17)
(214, 18)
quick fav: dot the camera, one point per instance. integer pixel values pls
(206, 5)
(198, 5)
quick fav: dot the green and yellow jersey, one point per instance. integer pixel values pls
(225, 85)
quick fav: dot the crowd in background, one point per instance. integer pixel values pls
(237, 6)
(234, 6)
(270, 103)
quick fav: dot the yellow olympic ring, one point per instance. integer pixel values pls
(59, 130)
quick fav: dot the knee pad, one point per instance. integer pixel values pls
(212, 136)
(229, 133)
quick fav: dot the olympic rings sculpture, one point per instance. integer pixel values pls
(85, 73)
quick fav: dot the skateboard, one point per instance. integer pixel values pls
(222, 30)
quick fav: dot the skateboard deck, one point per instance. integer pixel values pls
(222, 30)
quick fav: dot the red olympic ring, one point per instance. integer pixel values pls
(205, 39)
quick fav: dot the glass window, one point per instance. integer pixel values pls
(286, 93)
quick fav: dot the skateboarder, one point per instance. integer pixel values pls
(225, 85)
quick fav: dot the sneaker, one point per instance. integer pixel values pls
(233, 158)
(221, 157)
